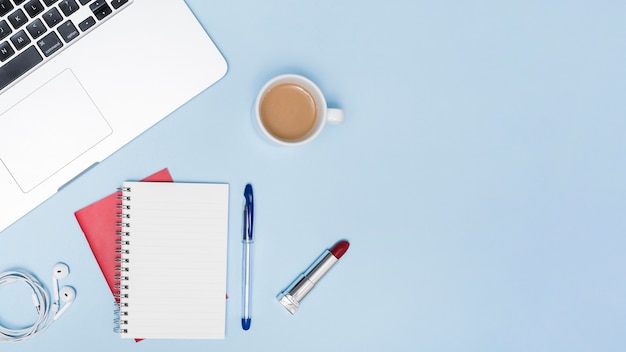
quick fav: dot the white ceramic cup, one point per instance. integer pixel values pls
(324, 114)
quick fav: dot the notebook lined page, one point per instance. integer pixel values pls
(176, 260)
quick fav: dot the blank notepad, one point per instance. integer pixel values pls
(173, 254)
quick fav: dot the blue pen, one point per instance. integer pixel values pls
(248, 216)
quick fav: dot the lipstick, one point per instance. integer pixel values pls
(291, 297)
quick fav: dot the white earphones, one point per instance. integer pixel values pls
(65, 294)
(47, 309)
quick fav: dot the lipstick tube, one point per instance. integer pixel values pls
(291, 297)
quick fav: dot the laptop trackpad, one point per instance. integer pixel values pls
(48, 129)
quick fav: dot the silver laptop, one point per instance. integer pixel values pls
(81, 78)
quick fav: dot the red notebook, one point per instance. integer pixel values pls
(98, 222)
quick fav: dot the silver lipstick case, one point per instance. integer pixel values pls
(291, 297)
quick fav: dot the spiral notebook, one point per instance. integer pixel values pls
(172, 270)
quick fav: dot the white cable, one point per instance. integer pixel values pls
(45, 307)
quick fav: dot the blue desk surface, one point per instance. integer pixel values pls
(479, 177)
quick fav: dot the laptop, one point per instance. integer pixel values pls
(81, 78)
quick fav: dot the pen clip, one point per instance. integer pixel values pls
(248, 213)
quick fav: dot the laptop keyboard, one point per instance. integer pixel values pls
(33, 31)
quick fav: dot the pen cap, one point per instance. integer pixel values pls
(248, 213)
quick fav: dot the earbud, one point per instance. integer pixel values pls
(59, 272)
(67, 294)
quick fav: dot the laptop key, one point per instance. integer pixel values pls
(6, 51)
(68, 31)
(33, 8)
(50, 44)
(20, 40)
(87, 23)
(100, 9)
(18, 18)
(52, 17)
(118, 3)
(49, 2)
(68, 7)
(36, 28)
(5, 7)
(19, 65)
(5, 30)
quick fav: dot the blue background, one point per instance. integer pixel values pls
(479, 177)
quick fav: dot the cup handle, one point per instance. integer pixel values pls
(334, 116)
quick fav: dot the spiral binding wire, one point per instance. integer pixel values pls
(121, 269)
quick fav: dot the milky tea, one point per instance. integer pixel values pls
(288, 112)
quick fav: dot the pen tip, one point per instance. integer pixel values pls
(245, 323)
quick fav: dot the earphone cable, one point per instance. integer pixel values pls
(42, 301)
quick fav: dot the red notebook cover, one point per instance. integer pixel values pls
(98, 222)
